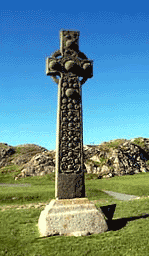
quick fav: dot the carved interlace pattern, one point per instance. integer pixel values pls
(70, 126)
(71, 65)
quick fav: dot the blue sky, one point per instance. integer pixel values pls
(114, 34)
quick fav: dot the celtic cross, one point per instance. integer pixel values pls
(70, 66)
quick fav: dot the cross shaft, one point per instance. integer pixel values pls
(69, 176)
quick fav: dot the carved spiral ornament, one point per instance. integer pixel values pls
(69, 64)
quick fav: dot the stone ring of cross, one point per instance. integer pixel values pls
(68, 63)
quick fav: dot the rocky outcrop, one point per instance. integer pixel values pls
(128, 158)
(109, 159)
(18, 155)
(5, 152)
(40, 164)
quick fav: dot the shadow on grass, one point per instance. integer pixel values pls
(114, 225)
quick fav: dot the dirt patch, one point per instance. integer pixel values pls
(35, 205)
(19, 207)
(42, 205)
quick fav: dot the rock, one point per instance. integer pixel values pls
(127, 157)
(19, 155)
(114, 158)
(40, 164)
(5, 152)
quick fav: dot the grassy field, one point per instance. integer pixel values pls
(20, 208)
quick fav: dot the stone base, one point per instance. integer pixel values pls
(71, 217)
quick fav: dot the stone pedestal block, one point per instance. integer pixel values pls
(71, 217)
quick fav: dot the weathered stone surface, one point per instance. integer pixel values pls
(18, 155)
(127, 158)
(74, 185)
(40, 164)
(71, 217)
(70, 67)
(5, 152)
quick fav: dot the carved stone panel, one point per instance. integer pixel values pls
(69, 64)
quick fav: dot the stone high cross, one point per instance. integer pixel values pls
(73, 64)
(71, 213)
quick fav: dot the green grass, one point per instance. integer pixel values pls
(128, 234)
